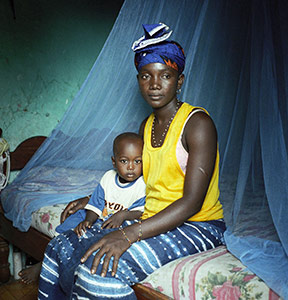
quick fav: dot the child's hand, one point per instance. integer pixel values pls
(115, 220)
(82, 227)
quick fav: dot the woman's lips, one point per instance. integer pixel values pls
(155, 97)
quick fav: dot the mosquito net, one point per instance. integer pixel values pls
(237, 68)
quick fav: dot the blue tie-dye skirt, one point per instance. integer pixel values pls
(64, 277)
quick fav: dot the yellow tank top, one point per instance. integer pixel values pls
(164, 177)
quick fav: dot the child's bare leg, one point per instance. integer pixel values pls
(30, 274)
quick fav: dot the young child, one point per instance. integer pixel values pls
(120, 194)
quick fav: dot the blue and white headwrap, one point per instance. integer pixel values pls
(154, 47)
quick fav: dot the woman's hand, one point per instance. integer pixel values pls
(72, 207)
(114, 244)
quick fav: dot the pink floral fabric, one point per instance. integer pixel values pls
(227, 291)
(214, 274)
(47, 218)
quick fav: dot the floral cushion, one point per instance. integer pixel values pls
(47, 218)
(214, 274)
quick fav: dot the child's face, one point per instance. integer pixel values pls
(128, 160)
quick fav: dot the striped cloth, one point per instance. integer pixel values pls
(63, 277)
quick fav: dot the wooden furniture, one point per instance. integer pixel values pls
(31, 242)
(34, 242)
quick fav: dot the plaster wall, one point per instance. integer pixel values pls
(46, 51)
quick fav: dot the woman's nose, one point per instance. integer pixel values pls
(155, 84)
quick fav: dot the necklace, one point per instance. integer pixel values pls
(155, 144)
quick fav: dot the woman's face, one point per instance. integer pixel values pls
(158, 84)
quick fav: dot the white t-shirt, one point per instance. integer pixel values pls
(111, 195)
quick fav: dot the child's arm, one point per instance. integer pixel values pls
(90, 218)
(118, 218)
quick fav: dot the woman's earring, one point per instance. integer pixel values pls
(178, 91)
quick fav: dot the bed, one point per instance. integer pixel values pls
(31, 242)
(214, 274)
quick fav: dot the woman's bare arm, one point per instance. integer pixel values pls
(72, 207)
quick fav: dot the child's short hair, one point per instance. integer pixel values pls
(131, 136)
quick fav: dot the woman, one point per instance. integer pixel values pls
(182, 213)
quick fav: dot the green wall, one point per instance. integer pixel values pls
(45, 55)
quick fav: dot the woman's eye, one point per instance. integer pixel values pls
(166, 76)
(144, 76)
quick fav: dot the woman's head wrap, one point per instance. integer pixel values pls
(153, 47)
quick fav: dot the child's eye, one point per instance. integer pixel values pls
(138, 161)
(123, 161)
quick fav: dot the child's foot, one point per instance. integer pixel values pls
(30, 274)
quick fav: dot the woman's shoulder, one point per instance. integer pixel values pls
(199, 124)
(142, 127)
(195, 113)
(193, 109)
(199, 119)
